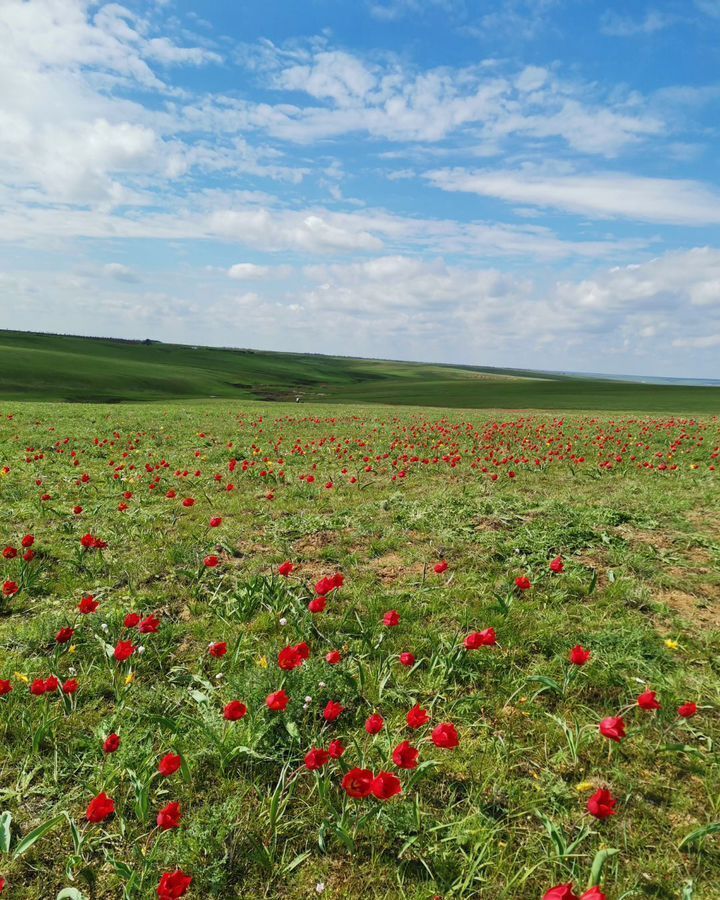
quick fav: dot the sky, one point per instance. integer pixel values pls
(530, 183)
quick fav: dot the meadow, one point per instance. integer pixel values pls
(286, 651)
(104, 370)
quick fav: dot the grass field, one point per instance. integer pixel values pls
(52, 367)
(382, 496)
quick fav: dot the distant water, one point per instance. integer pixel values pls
(646, 379)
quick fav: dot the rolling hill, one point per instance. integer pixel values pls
(50, 367)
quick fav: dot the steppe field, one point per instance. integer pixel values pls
(293, 650)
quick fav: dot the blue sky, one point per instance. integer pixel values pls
(529, 182)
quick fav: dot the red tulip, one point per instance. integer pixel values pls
(557, 565)
(601, 804)
(169, 764)
(648, 701)
(479, 639)
(405, 756)
(278, 701)
(561, 892)
(88, 605)
(445, 736)
(112, 743)
(613, 728)
(579, 655)
(374, 724)
(332, 711)
(329, 583)
(169, 816)
(235, 710)
(417, 717)
(385, 785)
(100, 808)
(123, 650)
(687, 710)
(149, 625)
(316, 759)
(357, 783)
(173, 885)
(391, 619)
(292, 657)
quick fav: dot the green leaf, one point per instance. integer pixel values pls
(5, 834)
(699, 834)
(26, 843)
(292, 730)
(70, 893)
(299, 859)
(601, 857)
(549, 684)
(681, 748)
(593, 582)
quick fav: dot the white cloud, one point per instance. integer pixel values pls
(119, 272)
(698, 343)
(408, 307)
(385, 99)
(392, 10)
(616, 25)
(601, 195)
(248, 271)
(709, 7)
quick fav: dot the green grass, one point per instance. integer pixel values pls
(501, 816)
(53, 367)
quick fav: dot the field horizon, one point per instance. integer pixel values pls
(82, 369)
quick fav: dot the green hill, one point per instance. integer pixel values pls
(79, 369)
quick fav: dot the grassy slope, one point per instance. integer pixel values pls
(469, 827)
(52, 367)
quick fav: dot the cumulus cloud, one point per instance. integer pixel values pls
(408, 307)
(247, 271)
(119, 272)
(388, 100)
